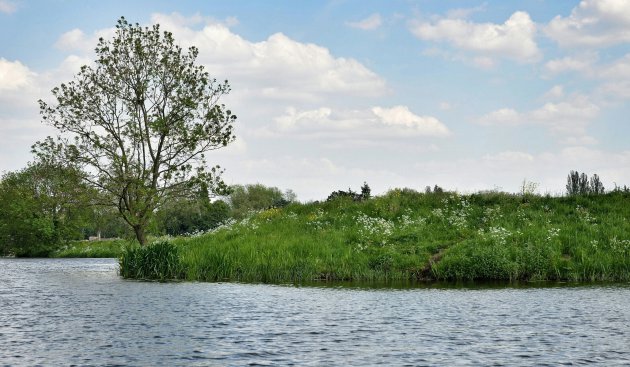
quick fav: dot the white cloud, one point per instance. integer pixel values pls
(568, 118)
(615, 89)
(513, 39)
(372, 124)
(370, 23)
(593, 23)
(77, 40)
(14, 75)
(277, 66)
(581, 63)
(619, 69)
(615, 78)
(565, 117)
(400, 116)
(7, 7)
(503, 116)
(556, 92)
(579, 140)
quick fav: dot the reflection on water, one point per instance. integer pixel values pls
(63, 312)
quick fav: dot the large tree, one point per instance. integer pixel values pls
(139, 122)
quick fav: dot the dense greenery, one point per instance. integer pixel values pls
(406, 235)
(185, 216)
(43, 206)
(140, 121)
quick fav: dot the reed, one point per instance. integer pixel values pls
(157, 261)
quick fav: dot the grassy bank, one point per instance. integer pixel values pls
(103, 248)
(406, 235)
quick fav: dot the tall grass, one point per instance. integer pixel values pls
(405, 235)
(157, 261)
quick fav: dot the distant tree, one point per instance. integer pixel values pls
(363, 195)
(343, 194)
(573, 183)
(437, 189)
(186, 216)
(365, 191)
(247, 198)
(290, 195)
(579, 184)
(584, 188)
(596, 186)
(140, 122)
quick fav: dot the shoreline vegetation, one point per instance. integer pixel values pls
(403, 235)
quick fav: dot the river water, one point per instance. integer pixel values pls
(80, 312)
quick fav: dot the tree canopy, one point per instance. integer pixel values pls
(139, 122)
(43, 205)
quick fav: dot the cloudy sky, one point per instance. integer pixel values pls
(469, 95)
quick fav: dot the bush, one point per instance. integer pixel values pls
(158, 261)
(364, 195)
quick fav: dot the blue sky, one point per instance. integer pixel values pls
(469, 95)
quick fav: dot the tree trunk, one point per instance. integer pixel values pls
(140, 234)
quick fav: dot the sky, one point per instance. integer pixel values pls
(469, 95)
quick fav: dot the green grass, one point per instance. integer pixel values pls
(410, 236)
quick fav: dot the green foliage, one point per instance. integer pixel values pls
(579, 184)
(364, 195)
(157, 261)
(43, 206)
(141, 120)
(256, 197)
(184, 217)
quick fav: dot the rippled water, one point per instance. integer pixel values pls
(79, 312)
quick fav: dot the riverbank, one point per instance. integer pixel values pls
(406, 235)
(92, 249)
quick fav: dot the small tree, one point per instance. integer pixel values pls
(140, 122)
(573, 185)
(596, 186)
(583, 186)
(365, 191)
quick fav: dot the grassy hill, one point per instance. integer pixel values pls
(406, 235)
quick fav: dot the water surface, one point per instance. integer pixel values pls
(79, 312)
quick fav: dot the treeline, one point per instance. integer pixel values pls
(46, 205)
